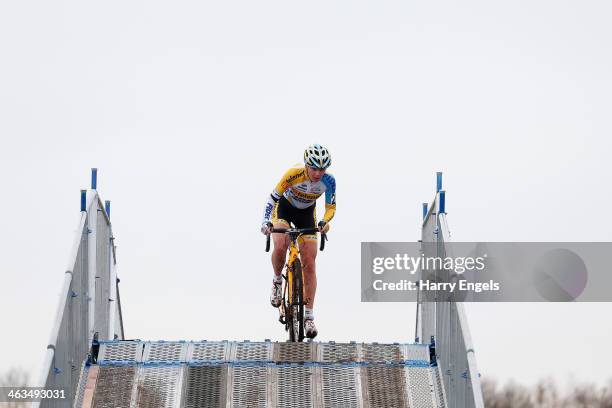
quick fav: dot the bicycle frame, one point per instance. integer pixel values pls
(294, 253)
(288, 315)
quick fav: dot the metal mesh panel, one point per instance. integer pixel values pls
(452, 336)
(114, 387)
(120, 351)
(205, 386)
(438, 387)
(79, 304)
(72, 325)
(103, 273)
(428, 322)
(341, 352)
(382, 352)
(158, 387)
(339, 387)
(249, 387)
(416, 352)
(118, 315)
(453, 360)
(428, 308)
(294, 389)
(72, 342)
(163, 351)
(293, 352)
(420, 387)
(385, 386)
(253, 351)
(209, 351)
(80, 391)
(448, 323)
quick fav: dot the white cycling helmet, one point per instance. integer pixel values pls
(317, 156)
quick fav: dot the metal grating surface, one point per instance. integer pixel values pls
(294, 388)
(421, 392)
(80, 391)
(163, 351)
(341, 352)
(305, 375)
(249, 387)
(121, 351)
(293, 352)
(382, 352)
(253, 351)
(439, 390)
(205, 386)
(339, 387)
(416, 352)
(114, 387)
(159, 386)
(386, 386)
(209, 351)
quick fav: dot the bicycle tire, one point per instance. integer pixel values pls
(287, 302)
(297, 302)
(289, 310)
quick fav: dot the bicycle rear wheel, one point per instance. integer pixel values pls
(296, 330)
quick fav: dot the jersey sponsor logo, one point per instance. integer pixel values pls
(333, 198)
(268, 212)
(305, 196)
(294, 177)
(300, 200)
(308, 187)
(294, 198)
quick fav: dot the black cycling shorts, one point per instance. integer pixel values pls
(301, 218)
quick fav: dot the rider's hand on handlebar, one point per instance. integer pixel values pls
(266, 228)
(323, 227)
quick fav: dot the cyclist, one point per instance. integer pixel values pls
(293, 200)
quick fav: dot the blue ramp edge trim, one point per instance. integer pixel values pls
(250, 363)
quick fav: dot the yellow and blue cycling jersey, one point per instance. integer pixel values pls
(302, 193)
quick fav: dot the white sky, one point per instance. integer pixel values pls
(193, 111)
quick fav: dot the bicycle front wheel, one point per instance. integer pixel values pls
(296, 331)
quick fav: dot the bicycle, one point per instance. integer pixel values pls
(292, 306)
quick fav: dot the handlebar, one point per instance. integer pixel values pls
(297, 232)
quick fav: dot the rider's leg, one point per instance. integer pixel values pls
(308, 254)
(281, 243)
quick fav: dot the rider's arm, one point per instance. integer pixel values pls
(290, 177)
(330, 197)
(270, 203)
